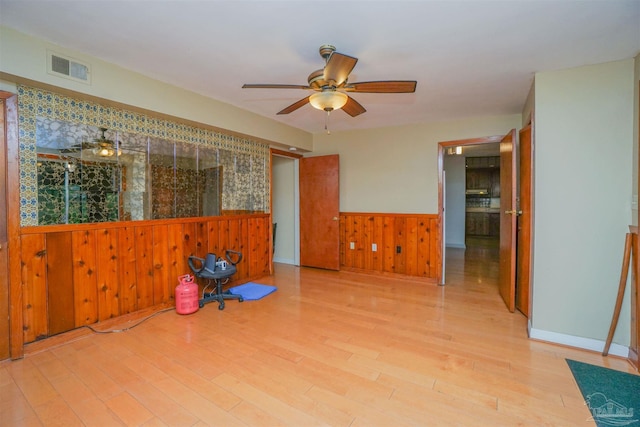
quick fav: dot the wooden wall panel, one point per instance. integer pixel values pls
(223, 236)
(177, 257)
(85, 283)
(77, 275)
(235, 243)
(265, 254)
(360, 243)
(259, 262)
(61, 310)
(424, 248)
(144, 265)
(400, 241)
(411, 243)
(415, 235)
(107, 273)
(368, 241)
(214, 237)
(388, 244)
(434, 247)
(34, 295)
(377, 257)
(127, 271)
(202, 239)
(254, 246)
(189, 242)
(160, 256)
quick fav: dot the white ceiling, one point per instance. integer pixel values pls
(470, 58)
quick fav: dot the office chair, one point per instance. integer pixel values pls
(210, 268)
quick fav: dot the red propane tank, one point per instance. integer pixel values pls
(186, 295)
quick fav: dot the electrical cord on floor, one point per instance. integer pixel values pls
(111, 331)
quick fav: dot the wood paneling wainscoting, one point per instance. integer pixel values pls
(406, 244)
(76, 275)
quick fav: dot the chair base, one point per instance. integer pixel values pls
(217, 295)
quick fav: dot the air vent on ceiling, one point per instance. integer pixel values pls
(63, 66)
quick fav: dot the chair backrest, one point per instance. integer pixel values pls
(210, 262)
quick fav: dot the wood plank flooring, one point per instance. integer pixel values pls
(327, 348)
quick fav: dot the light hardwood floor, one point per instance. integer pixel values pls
(327, 348)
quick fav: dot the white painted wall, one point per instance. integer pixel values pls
(454, 167)
(26, 56)
(283, 213)
(395, 169)
(636, 135)
(583, 186)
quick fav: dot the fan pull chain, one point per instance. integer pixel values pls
(326, 122)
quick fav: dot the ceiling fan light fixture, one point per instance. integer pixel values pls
(328, 100)
(106, 151)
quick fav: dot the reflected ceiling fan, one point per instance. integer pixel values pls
(101, 146)
(331, 83)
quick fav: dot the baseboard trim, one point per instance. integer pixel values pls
(456, 245)
(579, 342)
(283, 260)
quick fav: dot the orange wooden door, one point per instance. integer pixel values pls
(508, 217)
(523, 264)
(319, 212)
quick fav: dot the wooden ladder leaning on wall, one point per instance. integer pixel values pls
(630, 257)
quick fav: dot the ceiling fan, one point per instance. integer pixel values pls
(330, 85)
(101, 146)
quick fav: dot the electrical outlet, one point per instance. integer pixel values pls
(352, 245)
(374, 247)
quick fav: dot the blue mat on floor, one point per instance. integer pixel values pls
(252, 291)
(613, 397)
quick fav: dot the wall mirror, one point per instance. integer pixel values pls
(89, 174)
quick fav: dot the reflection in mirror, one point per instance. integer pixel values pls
(209, 181)
(161, 185)
(134, 158)
(77, 182)
(89, 174)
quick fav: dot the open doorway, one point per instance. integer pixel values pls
(285, 207)
(507, 257)
(472, 214)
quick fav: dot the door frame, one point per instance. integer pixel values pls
(508, 218)
(442, 146)
(10, 133)
(295, 157)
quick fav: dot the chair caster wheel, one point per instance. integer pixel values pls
(240, 299)
(200, 304)
(221, 307)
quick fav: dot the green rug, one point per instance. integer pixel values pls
(613, 397)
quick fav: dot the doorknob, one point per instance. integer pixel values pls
(514, 212)
(335, 218)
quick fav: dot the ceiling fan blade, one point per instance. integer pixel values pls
(383, 86)
(293, 107)
(272, 86)
(353, 107)
(338, 68)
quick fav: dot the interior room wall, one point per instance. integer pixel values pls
(283, 213)
(527, 109)
(395, 169)
(454, 212)
(636, 135)
(26, 57)
(583, 186)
